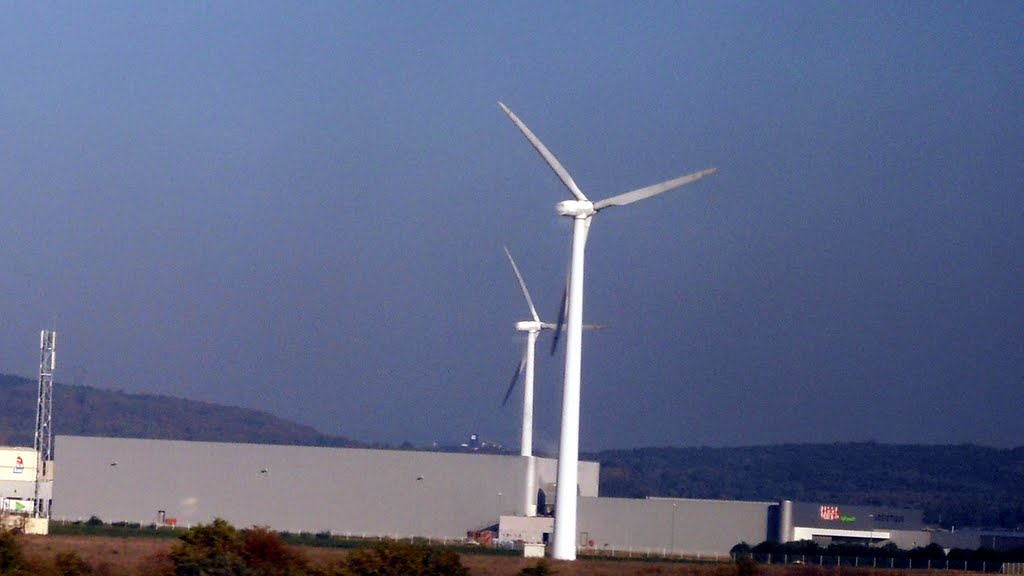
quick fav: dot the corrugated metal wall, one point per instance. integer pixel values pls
(669, 525)
(290, 488)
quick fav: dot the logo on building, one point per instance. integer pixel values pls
(19, 465)
(829, 513)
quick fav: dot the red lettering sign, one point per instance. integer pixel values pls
(829, 513)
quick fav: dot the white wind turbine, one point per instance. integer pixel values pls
(581, 210)
(526, 369)
(532, 329)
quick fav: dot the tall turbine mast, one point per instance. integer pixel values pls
(532, 329)
(43, 443)
(581, 210)
(526, 369)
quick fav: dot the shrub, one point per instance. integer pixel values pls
(218, 549)
(209, 550)
(156, 564)
(745, 566)
(266, 554)
(11, 556)
(71, 564)
(403, 559)
(741, 549)
(541, 568)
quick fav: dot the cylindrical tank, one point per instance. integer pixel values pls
(786, 521)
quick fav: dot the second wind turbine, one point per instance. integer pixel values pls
(581, 210)
(526, 369)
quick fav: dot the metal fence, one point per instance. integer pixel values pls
(886, 562)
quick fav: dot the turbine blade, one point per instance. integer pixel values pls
(654, 190)
(546, 154)
(522, 284)
(560, 325)
(594, 326)
(515, 379)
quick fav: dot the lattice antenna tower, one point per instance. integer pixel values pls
(44, 411)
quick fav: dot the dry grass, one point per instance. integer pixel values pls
(145, 556)
(113, 556)
(139, 555)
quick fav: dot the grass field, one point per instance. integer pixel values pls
(141, 555)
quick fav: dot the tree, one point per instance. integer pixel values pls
(741, 549)
(266, 554)
(209, 550)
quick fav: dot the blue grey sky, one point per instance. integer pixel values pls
(301, 207)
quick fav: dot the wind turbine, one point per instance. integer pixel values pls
(532, 329)
(581, 210)
(526, 368)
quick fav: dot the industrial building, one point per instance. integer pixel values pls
(296, 488)
(18, 467)
(437, 495)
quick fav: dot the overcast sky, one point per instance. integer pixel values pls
(301, 208)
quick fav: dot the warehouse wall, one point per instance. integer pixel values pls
(682, 526)
(293, 488)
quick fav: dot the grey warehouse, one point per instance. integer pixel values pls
(438, 495)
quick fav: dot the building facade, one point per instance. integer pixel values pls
(392, 493)
(18, 468)
(295, 488)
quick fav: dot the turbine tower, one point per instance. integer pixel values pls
(526, 368)
(581, 210)
(532, 329)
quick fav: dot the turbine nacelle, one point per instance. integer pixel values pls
(529, 326)
(575, 208)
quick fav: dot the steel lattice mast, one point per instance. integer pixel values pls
(44, 412)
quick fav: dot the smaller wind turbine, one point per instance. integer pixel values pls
(532, 329)
(526, 369)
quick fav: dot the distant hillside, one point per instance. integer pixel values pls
(85, 411)
(960, 485)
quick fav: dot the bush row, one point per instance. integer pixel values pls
(219, 549)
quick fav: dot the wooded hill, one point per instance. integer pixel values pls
(960, 486)
(87, 411)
